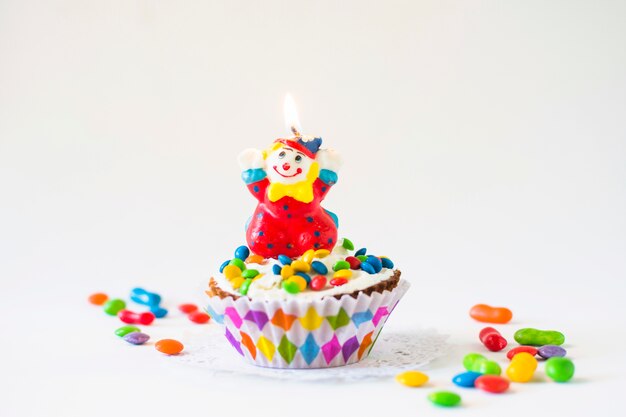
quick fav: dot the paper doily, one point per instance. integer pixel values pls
(393, 353)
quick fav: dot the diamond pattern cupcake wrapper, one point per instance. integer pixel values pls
(304, 334)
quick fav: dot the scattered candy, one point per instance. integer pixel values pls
(300, 266)
(560, 369)
(188, 308)
(304, 275)
(222, 266)
(347, 244)
(319, 267)
(321, 253)
(488, 314)
(136, 338)
(528, 349)
(466, 379)
(445, 398)
(308, 256)
(287, 271)
(492, 339)
(124, 330)
(478, 363)
(255, 259)
(492, 383)
(276, 269)
(199, 317)
(336, 282)
(98, 298)
(114, 306)
(318, 283)
(131, 317)
(144, 297)
(237, 282)
(300, 281)
(361, 258)
(284, 259)
(343, 273)
(360, 252)
(159, 312)
(367, 267)
(412, 378)
(232, 272)
(551, 351)
(242, 252)
(238, 263)
(522, 367)
(169, 346)
(535, 337)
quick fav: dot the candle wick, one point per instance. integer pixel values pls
(295, 132)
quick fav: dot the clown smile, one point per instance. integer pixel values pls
(298, 171)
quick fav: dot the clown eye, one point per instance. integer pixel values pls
(282, 154)
(298, 158)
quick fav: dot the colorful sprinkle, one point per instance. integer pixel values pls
(232, 271)
(242, 252)
(188, 308)
(387, 263)
(199, 317)
(98, 298)
(367, 267)
(250, 273)
(343, 273)
(300, 266)
(136, 338)
(336, 282)
(319, 267)
(347, 244)
(291, 287)
(238, 263)
(318, 283)
(124, 330)
(223, 265)
(360, 252)
(169, 346)
(284, 259)
(354, 262)
(412, 378)
(243, 290)
(339, 265)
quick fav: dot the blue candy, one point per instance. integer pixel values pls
(226, 262)
(284, 259)
(375, 262)
(276, 269)
(319, 267)
(386, 263)
(242, 252)
(159, 312)
(466, 379)
(360, 252)
(306, 277)
(367, 267)
(146, 298)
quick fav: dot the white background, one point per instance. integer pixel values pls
(484, 146)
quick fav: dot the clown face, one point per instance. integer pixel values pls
(287, 165)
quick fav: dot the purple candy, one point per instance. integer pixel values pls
(550, 351)
(136, 338)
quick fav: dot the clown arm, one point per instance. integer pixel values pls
(253, 165)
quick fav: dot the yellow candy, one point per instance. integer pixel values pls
(257, 277)
(522, 367)
(308, 256)
(343, 273)
(322, 253)
(231, 271)
(412, 378)
(255, 259)
(236, 282)
(287, 271)
(300, 281)
(300, 266)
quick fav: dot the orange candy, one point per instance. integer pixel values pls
(98, 298)
(169, 346)
(488, 314)
(255, 259)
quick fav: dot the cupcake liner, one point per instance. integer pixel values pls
(298, 334)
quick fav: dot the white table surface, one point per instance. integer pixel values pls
(484, 150)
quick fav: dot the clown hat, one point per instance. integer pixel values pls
(309, 148)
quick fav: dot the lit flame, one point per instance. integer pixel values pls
(291, 116)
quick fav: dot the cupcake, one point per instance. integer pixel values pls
(297, 296)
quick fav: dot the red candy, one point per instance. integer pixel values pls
(188, 308)
(199, 317)
(492, 383)
(492, 339)
(131, 317)
(354, 262)
(520, 349)
(318, 282)
(335, 282)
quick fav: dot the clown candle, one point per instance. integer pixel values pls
(289, 180)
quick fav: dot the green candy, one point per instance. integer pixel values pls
(339, 265)
(250, 273)
(535, 337)
(445, 398)
(243, 290)
(238, 263)
(362, 258)
(114, 306)
(560, 369)
(291, 287)
(347, 243)
(476, 362)
(124, 330)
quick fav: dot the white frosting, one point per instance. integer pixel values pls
(268, 287)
